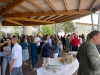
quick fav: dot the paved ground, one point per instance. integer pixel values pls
(27, 68)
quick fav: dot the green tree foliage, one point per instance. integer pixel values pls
(3, 33)
(67, 27)
(15, 30)
(47, 29)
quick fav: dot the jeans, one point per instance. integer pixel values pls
(34, 61)
(59, 53)
(70, 47)
(17, 71)
(75, 48)
(5, 62)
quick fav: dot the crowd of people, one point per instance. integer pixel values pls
(18, 49)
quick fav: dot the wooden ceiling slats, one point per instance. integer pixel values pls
(36, 5)
(25, 8)
(35, 13)
(65, 2)
(10, 6)
(51, 5)
(27, 14)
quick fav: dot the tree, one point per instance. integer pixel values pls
(3, 33)
(67, 27)
(47, 29)
(5, 28)
(15, 30)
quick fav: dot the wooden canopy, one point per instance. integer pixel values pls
(41, 12)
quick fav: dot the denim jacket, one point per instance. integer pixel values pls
(56, 48)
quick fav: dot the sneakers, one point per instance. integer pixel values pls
(34, 69)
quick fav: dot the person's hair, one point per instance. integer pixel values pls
(56, 40)
(15, 38)
(87, 38)
(46, 36)
(93, 33)
(32, 39)
(23, 39)
(8, 38)
(68, 35)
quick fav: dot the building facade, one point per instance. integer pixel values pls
(83, 28)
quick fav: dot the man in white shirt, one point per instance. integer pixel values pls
(16, 66)
(38, 40)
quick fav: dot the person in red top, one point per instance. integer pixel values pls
(75, 43)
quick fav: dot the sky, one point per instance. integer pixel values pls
(87, 19)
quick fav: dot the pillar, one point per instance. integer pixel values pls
(0, 30)
(98, 27)
(27, 30)
(92, 21)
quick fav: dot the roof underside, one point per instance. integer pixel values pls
(42, 12)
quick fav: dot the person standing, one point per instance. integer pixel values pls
(7, 59)
(80, 38)
(67, 43)
(16, 65)
(88, 55)
(25, 53)
(83, 38)
(71, 38)
(38, 40)
(33, 52)
(75, 43)
(63, 42)
(45, 50)
(56, 47)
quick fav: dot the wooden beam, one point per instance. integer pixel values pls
(27, 14)
(58, 16)
(93, 4)
(5, 1)
(37, 6)
(10, 6)
(1, 6)
(73, 18)
(11, 21)
(5, 23)
(25, 8)
(70, 18)
(65, 2)
(45, 17)
(34, 23)
(38, 17)
(80, 3)
(31, 20)
(63, 17)
(51, 5)
(51, 17)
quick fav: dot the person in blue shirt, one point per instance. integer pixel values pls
(34, 52)
(25, 53)
(45, 50)
(56, 47)
(7, 59)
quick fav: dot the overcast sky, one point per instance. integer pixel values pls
(87, 19)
